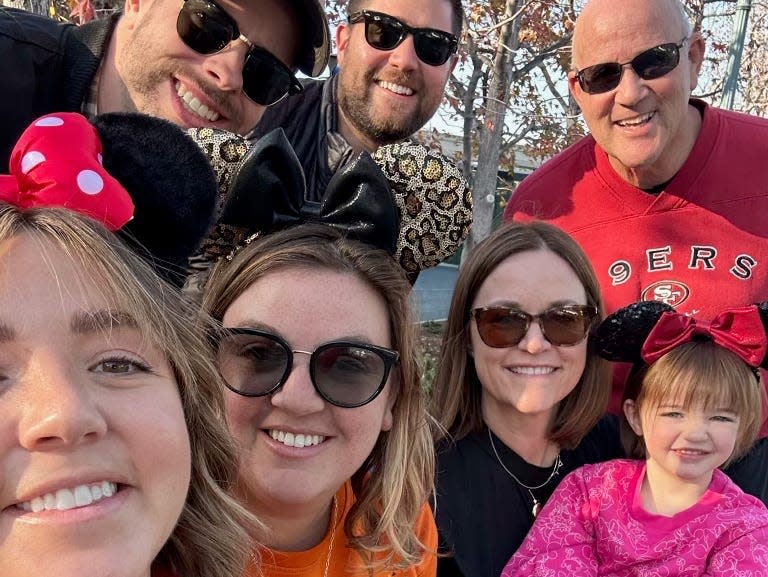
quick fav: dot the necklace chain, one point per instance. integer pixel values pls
(333, 534)
(555, 469)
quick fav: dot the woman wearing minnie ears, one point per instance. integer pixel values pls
(318, 350)
(692, 404)
(114, 459)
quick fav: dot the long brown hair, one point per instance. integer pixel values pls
(211, 538)
(457, 390)
(393, 484)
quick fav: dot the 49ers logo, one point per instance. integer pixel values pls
(667, 291)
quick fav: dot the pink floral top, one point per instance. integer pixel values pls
(594, 525)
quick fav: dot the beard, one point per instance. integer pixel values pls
(384, 127)
(145, 71)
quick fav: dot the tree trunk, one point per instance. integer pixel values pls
(486, 176)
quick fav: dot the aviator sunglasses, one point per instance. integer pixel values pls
(347, 374)
(563, 326)
(384, 32)
(207, 29)
(653, 63)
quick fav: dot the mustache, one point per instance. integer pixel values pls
(395, 77)
(222, 101)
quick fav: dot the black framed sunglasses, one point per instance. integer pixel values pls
(563, 326)
(347, 374)
(206, 28)
(648, 65)
(385, 32)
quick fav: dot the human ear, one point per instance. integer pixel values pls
(454, 61)
(388, 418)
(696, 50)
(342, 40)
(575, 88)
(632, 414)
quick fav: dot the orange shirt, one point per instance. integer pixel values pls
(345, 561)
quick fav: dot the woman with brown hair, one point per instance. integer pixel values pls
(114, 456)
(518, 394)
(318, 351)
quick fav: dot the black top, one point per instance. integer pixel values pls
(483, 514)
(45, 67)
(307, 119)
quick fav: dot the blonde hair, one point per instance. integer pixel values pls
(699, 373)
(393, 484)
(457, 390)
(211, 538)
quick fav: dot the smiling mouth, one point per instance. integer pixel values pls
(533, 370)
(298, 440)
(396, 88)
(690, 452)
(65, 499)
(193, 105)
(637, 121)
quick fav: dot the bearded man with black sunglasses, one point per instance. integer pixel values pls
(395, 57)
(197, 63)
(668, 195)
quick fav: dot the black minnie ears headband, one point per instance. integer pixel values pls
(404, 198)
(134, 173)
(643, 332)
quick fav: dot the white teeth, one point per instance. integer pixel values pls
(108, 489)
(396, 88)
(298, 440)
(637, 121)
(64, 499)
(192, 104)
(532, 370)
(83, 496)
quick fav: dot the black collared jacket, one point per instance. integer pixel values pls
(44, 67)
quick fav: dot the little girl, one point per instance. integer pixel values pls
(692, 404)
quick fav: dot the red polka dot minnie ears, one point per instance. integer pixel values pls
(58, 162)
(133, 173)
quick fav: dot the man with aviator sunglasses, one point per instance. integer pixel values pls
(395, 57)
(197, 63)
(667, 195)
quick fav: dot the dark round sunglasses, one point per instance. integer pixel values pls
(563, 326)
(206, 28)
(653, 63)
(385, 32)
(347, 374)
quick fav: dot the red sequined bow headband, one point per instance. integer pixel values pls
(644, 332)
(737, 330)
(57, 162)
